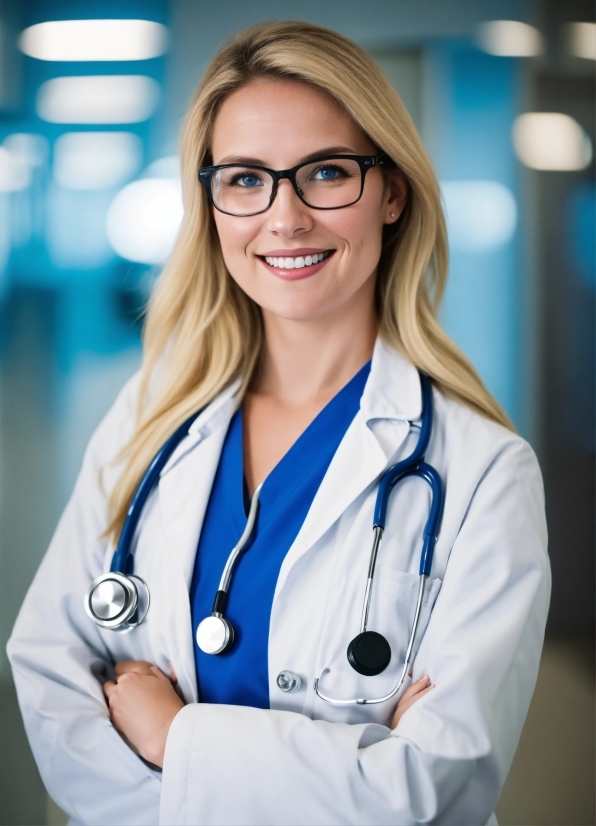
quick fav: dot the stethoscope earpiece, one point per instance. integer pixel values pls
(118, 602)
(369, 653)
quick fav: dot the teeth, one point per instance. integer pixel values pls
(298, 262)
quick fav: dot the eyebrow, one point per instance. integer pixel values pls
(320, 153)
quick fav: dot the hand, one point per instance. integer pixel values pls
(143, 702)
(409, 697)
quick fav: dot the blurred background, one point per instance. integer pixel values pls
(91, 100)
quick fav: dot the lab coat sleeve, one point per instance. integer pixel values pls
(59, 659)
(448, 758)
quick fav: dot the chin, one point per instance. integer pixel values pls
(297, 309)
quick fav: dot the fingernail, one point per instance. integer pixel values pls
(426, 677)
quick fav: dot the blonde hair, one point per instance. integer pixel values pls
(207, 330)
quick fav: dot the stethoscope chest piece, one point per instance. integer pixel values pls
(117, 601)
(369, 653)
(215, 635)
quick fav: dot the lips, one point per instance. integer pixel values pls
(301, 264)
(296, 262)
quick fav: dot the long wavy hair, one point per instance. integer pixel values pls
(204, 332)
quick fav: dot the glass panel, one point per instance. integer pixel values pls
(334, 182)
(241, 190)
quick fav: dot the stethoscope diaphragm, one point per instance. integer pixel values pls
(118, 602)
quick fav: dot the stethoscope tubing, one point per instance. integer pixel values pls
(122, 561)
(413, 465)
(226, 576)
(361, 701)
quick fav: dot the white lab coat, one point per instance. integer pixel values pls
(305, 761)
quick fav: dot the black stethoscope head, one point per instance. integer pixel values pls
(369, 653)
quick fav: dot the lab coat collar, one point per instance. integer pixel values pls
(393, 387)
(391, 392)
(208, 420)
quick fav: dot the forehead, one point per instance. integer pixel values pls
(278, 122)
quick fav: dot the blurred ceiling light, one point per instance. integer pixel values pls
(510, 38)
(14, 172)
(551, 141)
(31, 148)
(94, 40)
(481, 215)
(582, 40)
(98, 99)
(144, 218)
(96, 160)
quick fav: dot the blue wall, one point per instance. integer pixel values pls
(475, 99)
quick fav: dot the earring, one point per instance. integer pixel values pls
(392, 214)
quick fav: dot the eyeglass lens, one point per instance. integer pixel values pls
(329, 184)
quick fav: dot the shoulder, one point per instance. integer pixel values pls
(486, 461)
(114, 431)
(494, 496)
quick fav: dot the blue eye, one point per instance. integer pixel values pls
(330, 172)
(245, 180)
(248, 180)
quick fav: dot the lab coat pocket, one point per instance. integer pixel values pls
(393, 606)
(391, 614)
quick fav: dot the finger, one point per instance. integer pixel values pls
(137, 666)
(420, 685)
(108, 688)
(411, 700)
(174, 679)
(403, 707)
(415, 688)
(157, 672)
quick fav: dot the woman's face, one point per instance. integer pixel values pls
(278, 124)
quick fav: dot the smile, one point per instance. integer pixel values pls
(298, 262)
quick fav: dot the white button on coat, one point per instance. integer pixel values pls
(305, 761)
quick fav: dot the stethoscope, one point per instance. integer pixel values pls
(119, 600)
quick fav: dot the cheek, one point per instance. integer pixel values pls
(361, 233)
(234, 238)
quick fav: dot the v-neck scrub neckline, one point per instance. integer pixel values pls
(240, 677)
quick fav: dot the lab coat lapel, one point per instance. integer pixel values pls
(391, 397)
(184, 489)
(357, 463)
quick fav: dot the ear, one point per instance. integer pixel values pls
(396, 196)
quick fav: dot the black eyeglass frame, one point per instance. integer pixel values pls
(365, 162)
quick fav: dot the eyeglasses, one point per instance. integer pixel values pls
(331, 182)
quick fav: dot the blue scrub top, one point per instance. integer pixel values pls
(240, 676)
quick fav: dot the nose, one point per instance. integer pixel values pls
(288, 216)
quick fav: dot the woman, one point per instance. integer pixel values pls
(295, 312)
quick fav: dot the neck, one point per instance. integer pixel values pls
(304, 361)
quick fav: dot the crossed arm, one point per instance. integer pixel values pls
(143, 702)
